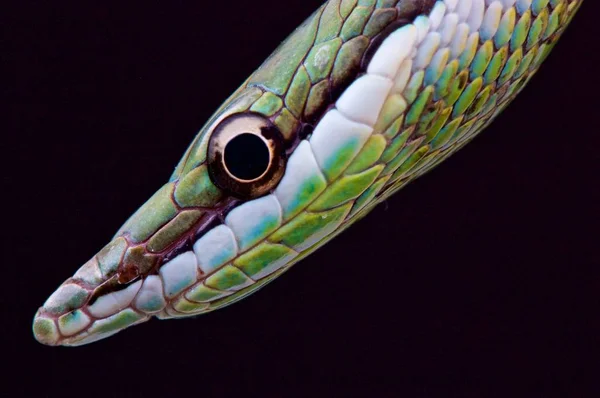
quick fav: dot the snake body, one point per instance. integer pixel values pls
(364, 97)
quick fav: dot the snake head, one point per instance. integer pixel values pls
(361, 99)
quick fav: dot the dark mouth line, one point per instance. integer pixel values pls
(125, 276)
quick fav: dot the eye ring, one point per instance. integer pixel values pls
(246, 156)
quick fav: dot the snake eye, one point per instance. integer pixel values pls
(245, 155)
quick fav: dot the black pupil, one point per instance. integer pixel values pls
(246, 156)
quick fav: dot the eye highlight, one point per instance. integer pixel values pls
(246, 156)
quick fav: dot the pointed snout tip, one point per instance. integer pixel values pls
(45, 330)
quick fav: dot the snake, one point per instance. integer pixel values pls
(361, 99)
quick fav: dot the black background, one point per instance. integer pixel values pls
(480, 279)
